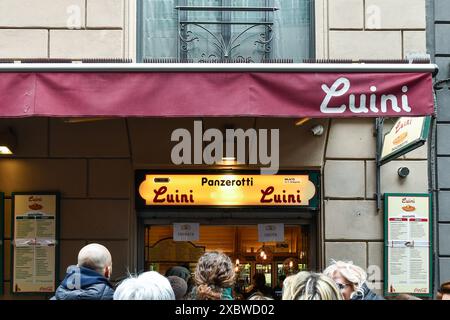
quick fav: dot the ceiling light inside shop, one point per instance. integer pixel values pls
(5, 150)
(7, 142)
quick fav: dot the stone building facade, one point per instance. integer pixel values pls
(92, 162)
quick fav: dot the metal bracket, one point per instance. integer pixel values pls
(379, 125)
(438, 84)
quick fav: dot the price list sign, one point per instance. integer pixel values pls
(35, 234)
(408, 242)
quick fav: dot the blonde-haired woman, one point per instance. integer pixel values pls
(310, 286)
(351, 281)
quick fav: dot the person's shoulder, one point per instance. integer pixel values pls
(378, 297)
(108, 293)
(227, 294)
(98, 291)
(373, 296)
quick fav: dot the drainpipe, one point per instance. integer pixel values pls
(433, 188)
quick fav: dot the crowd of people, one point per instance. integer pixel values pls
(213, 279)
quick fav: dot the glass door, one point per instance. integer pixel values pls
(265, 269)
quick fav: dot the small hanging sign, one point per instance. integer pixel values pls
(273, 232)
(408, 133)
(186, 231)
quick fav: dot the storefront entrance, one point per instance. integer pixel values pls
(267, 224)
(273, 259)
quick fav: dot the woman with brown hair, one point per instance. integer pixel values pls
(214, 276)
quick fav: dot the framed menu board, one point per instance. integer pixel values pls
(35, 247)
(408, 243)
(2, 238)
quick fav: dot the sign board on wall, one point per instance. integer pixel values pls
(2, 238)
(271, 232)
(227, 189)
(186, 231)
(35, 218)
(408, 243)
(407, 134)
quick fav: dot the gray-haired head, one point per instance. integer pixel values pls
(147, 286)
(96, 257)
(354, 274)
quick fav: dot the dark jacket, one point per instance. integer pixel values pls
(84, 284)
(366, 294)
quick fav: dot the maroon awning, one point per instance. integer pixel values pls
(215, 94)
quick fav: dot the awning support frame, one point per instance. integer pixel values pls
(221, 67)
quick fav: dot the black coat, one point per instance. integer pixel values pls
(84, 284)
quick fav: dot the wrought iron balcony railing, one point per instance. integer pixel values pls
(223, 36)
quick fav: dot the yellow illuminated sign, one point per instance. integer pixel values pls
(227, 190)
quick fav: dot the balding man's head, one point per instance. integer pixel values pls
(96, 257)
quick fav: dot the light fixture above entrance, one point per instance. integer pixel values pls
(8, 142)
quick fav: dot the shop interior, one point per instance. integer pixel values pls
(274, 259)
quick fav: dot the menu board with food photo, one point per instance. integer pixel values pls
(35, 234)
(408, 244)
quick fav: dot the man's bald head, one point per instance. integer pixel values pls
(96, 257)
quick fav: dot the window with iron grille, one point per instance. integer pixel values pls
(226, 30)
